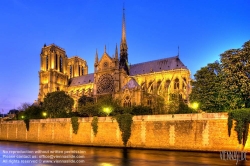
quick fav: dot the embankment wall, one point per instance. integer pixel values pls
(198, 132)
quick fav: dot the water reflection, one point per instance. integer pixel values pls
(92, 156)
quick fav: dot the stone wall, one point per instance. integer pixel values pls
(205, 132)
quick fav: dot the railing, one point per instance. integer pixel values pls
(165, 117)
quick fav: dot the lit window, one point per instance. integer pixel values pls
(70, 71)
(176, 83)
(127, 102)
(47, 62)
(61, 64)
(149, 102)
(56, 61)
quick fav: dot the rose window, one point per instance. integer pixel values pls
(105, 84)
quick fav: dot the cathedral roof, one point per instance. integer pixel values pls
(85, 79)
(157, 66)
(131, 84)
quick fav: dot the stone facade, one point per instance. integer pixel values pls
(201, 132)
(137, 84)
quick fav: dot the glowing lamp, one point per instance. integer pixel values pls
(44, 114)
(195, 105)
(107, 110)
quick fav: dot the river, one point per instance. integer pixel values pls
(29, 154)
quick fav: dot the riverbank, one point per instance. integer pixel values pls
(186, 132)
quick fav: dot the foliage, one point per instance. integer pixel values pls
(176, 105)
(75, 124)
(97, 108)
(94, 125)
(157, 102)
(83, 100)
(141, 110)
(106, 101)
(125, 122)
(207, 89)
(27, 123)
(23, 106)
(58, 104)
(89, 109)
(236, 69)
(32, 112)
(242, 118)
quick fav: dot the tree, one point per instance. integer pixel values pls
(33, 112)
(176, 105)
(83, 100)
(58, 104)
(23, 106)
(208, 89)
(236, 68)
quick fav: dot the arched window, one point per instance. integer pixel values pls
(167, 84)
(56, 61)
(176, 83)
(61, 64)
(82, 71)
(70, 71)
(158, 85)
(79, 71)
(149, 102)
(47, 62)
(127, 102)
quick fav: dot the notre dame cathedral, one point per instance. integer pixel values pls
(137, 84)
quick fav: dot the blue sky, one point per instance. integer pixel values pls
(203, 29)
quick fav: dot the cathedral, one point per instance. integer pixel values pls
(138, 84)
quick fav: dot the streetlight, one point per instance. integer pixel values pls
(195, 105)
(45, 114)
(107, 110)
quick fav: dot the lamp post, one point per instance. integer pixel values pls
(45, 114)
(107, 110)
(195, 105)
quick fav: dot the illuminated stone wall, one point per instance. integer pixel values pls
(206, 132)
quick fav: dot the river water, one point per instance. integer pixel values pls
(29, 154)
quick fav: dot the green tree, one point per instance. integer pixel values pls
(176, 105)
(58, 104)
(89, 109)
(236, 68)
(33, 112)
(83, 100)
(208, 89)
(107, 105)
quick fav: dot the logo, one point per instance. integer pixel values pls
(233, 155)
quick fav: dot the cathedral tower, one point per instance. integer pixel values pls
(52, 74)
(124, 47)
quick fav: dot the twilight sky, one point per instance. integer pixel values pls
(203, 29)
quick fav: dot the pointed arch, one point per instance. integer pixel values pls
(47, 62)
(70, 71)
(61, 64)
(56, 62)
(176, 83)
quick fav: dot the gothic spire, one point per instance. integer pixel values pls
(123, 46)
(105, 48)
(123, 27)
(96, 57)
(116, 52)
